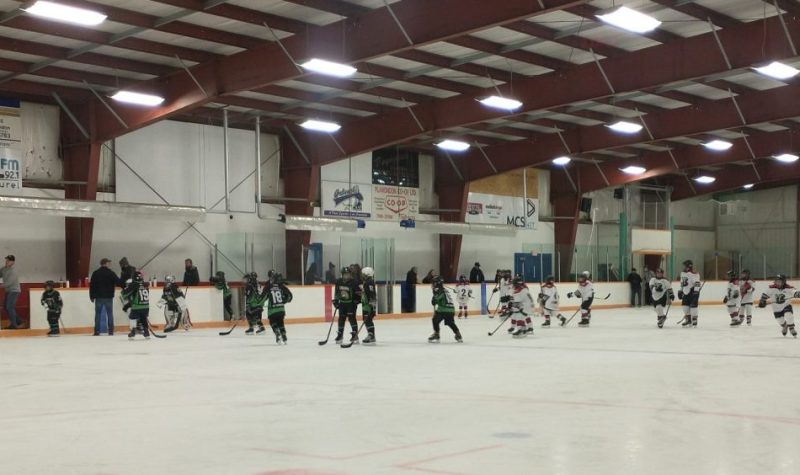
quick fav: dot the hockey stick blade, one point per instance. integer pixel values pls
(348, 345)
(153, 332)
(328, 337)
(225, 333)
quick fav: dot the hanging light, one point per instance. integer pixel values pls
(320, 126)
(778, 70)
(138, 98)
(786, 157)
(625, 127)
(718, 145)
(501, 103)
(633, 170)
(705, 179)
(631, 20)
(329, 68)
(453, 145)
(561, 161)
(64, 13)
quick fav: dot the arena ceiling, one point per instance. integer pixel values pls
(422, 66)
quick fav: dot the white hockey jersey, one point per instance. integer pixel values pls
(521, 300)
(659, 288)
(506, 288)
(550, 297)
(690, 282)
(747, 289)
(585, 290)
(781, 297)
(733, 295)
(463, 293)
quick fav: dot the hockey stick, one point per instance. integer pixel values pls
(235, 323)
(153, 332)
(579, 309)
(328, 337)
(501, 324)
(348, 345)
(698, 298)
(64, 327)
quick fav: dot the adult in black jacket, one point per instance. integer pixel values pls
(635, 281)
(411, 290)
(126, 272)
(101, 292)
(191, 275)
(476, 274)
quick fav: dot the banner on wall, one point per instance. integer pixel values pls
(495, 209)
(346, 200)
(10, 149)
(394, 203)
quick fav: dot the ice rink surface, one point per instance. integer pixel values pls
(620, 397)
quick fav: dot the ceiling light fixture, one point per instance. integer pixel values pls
(501, 103)
(329, 68)
(633, 170)
(748, 186)
(625, 127)
(561, 161)
(786, 157)
(705, 179)
(718, 145)
(630, 20)
(778, 70)
(320, 126)
(138, 98)
(64, 13)
(453, 145)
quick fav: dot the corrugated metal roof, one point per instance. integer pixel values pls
(289, 10)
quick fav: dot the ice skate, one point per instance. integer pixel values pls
(793, 331)
(687, 321)
(735, 322)
(784, 329)
(529, 330)
(354, 338)
(749, 320)
(434, 338)
(584, 322)
(249, 331)
(458, 338)
(369, 340)
(661, 321)
(53, 332)
(283, 336)
(694, 322)
(339, 338)
(546, 322)
(512, 329)
(562, 319)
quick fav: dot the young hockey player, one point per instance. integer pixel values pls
(51, 299)
(278, 295)
(369, 303)
(689, 293)
(781, 295)
(463, 294)
(255, 298)
(220, 284)
(344, 299)
(443, 309)
(661, 290)
(173, 301)
(747, 289)
(733, 298)
(585, 292)
(521, 306)
(136, 298)
(549, 301)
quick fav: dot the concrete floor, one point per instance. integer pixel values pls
(621, 397)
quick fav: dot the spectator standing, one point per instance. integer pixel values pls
(428, 279)
(635, 281)
(11, 285)
(330, 274)
(648, 293)
(411, 290)
(101, 293)
(125, 272)
(476, 274)
(191, 276)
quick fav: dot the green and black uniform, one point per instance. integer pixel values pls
(443, 310)
(344, 299)
(221, 284)
(278, 295)
(369, 303)
(136, 297)
(173, 313)
(254, 305)
(52, 300)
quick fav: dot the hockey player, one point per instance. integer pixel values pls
(220, 284)
(661, 290)
(549, 301)
(521, 307)
(689, 293)
(51, 299)
(344, 299)
(585, 292)
(463, 295)
(173, 301)
(255, 298)
(136, 298)
(443, 309)
(369, 303)
(781, 295)
(278, 295)
(747, 289)
(733, 298)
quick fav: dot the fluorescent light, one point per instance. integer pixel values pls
(55, 11)
(748, 186)
(630, 20)
(320, 126)
(786, 158)
(625, 127)
(705, 179)
(718, 145)
(633, 170)
(561, 161)
(137, 98)
(453, 145)
(778, 70)
(501, 103)
(329, 67)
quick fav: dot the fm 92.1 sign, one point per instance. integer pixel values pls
(10, 176)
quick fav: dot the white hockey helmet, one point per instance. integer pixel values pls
(368, 271)
(170, 279)
(585, 275)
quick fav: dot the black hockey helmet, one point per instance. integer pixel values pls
(251, 278)
(277, 278)
(271, 275)
(138, 277)
(518, 280)
(688, 264)
(549, 279)
(49, 285)
(746, 274)
(462, 278)
(437, 283)
(731, 274)
(780, 278)
(220, 275)
(659, 272)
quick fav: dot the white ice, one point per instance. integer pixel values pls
(620, 397)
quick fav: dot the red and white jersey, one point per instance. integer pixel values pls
(522, 300)
(585, 290)
(781, 297)
(690, 281)
(463, 293)
(747, 289)
(550, 297)
(506, 288)
(734, 297)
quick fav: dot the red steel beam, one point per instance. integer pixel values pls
(687, 59)
(700, 12)
(246, 15)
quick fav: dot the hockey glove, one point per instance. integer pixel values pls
(335, 304)
(569, 295)
(495, 290)
(671, 294)
(725, 300)
(578, 293)
(126, 307)
(762, 303)
(680, 294)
